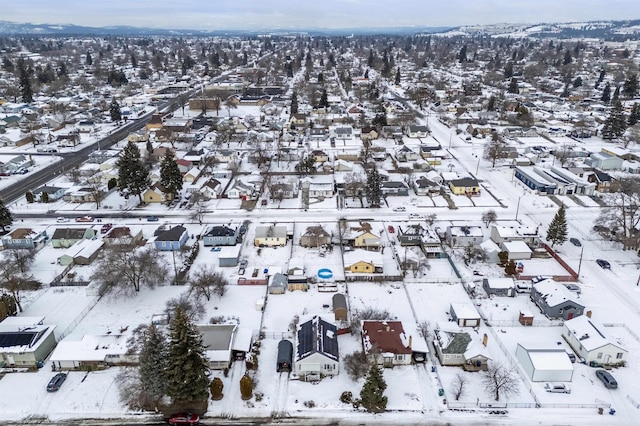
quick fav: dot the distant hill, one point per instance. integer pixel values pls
(14, 28)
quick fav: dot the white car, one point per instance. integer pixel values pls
(415, 216)
(557, 388)
(62, 219)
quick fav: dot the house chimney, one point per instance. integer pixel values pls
(588, 314)
(410, 341)
(388, 328)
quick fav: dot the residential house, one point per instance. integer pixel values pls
(81, 253)
(604, 161)
(192, 175)
(394, 188)
(184, 165)
(93, 352)
(226, 156)
(535, 181)
(368, 133)
(123, 236)
(592, 342)
(296, 276)
(343, 133)
(464, 314)
(425, 186)
(555, 300)
(385, 343)
(316, 349)
(458, 348)
(154, 194)
(363, 262)
(505, 287)
(25, 341)
(315, 236)
(418, 235)
(343, 166)
(465, 186)
(297, 120)
(318, 133)
(53, 193)
(404, 153)
(278, 283)
(66, 237)
(221, 235)
(240, 189)
(601, 179)
(284, 190)
(270, 236)
(500, 234)
(24, 238)
(320, 156)
(172, 240)
(464, 236)
(224, 343)
(211, 189)
(417, 131)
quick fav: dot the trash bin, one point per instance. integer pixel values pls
(600, 410)
(612, 411)
(441, 392)
(433, 369)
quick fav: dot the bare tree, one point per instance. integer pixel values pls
(494, 149)
(192, 307)
(354, 185)
(14, 276)
(489, 217)
(356, 365)
(230, 104)
(458, 385)
(121, 268)
(620, 220)
(207, 282)
(199, 207)
(501, 379)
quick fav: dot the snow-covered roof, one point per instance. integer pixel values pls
(90, 348)
(548, 358)
(553, 292)
(589, 332)
(516, 247)
(465, 310)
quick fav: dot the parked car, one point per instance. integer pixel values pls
(607, 379)
(243, 263)
(576, 242)
(557, 388)
(216, 248)
(153, 219)
(391, 229)
(415, 216)
(56, 382)
(62, 219)
(400, 209)
(84, 219)
(604, 264)
(184, 419)
(106, 228)
(574, 288)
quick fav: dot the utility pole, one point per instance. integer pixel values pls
(580, 264)
(518, 207)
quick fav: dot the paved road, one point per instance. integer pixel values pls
(75, 159)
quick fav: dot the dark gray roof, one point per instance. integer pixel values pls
(10, 339)
(172, 234)
(317, 336)
(69, 233)
(220, 231)
(339, 301)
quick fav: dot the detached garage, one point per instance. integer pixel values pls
(545, 365)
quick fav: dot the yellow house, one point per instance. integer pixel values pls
(360, 267)
(465, 186)
(272, 236)
(363, 262)
(155, 123)
(366, 240)
(155, 194)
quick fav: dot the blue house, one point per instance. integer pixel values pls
(535, 181)
(24, 238)
(221, 235)
(173, 239)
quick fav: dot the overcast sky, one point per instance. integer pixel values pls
(301, 14)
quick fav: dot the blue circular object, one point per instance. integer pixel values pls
(325, 273)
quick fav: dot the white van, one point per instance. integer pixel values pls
(523, 287)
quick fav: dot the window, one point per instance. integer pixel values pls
(599, 355)
(619, 355)
(329, 366)
(399, 357)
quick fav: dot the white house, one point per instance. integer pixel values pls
(316, 349)
(590, 341)
(545, 364)
(465, 314)
(517, 250)
(93, 351)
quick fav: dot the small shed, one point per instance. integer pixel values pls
(260, 304)
(517, 250)
(278, 283)
(525, 318)
(285, 356)
(464, 314)
(340, 310)
(545, 364)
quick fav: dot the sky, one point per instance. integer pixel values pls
(301, 14)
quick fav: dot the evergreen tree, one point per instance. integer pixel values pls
(6, 219)
(630, 86)
(216, 388)
(246, 387)
(153, 364)
(114, 111)
(513, 86)
(324, 100)
(133, 177)
(170, 176)
(508, 70)
(89, 59)
(187, 368)
(25, 83)
(294, 103)
(557, 232)
(373, 191)
(567, 58)
(491, 105)
(616, 94)
(634, 116)
(398, 77)
(606, 94)
(372, 394)
(615, 124)
(462, 56)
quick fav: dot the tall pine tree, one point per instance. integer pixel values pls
(615, 124)
(372, 394)
(606, 94)
(153, 364)
(187, 368)
(634, 116)
(170, 176)
(373, 190)
(294, 103)
(133, 177)
(557, 232)
(25, 82)
(114, 111)
(6, 219)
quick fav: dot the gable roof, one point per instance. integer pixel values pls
(69, 233)
(172, 234)
(220, 231)
(317, 336)
(385, 336)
